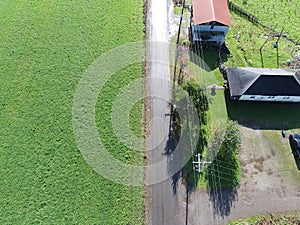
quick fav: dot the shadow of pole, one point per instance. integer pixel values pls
(187, 205)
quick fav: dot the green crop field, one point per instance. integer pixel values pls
(45, 48)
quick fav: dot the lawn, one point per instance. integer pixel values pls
(46, 46)
(264, 115)
(288, 164)
(290, 218)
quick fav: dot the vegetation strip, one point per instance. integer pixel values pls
(273, 218)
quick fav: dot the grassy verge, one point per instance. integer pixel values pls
(224, 170)
(287, 219)
(45, 48)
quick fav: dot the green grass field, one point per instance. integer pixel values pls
(46, 46)
(275, 13)
(244, 40)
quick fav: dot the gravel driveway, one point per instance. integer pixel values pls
(265, 185)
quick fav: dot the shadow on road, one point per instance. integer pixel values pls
(187, 205)
(174, 131)
(171, 143)
(169, 150)
(222, 200)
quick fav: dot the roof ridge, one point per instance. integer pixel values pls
(254, 80)
(213, 9)
(297, 77)
(205, 11)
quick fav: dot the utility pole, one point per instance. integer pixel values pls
(177, 42)
(197, 165)
(276, 46)
(261, 55)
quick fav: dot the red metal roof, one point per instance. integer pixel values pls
(205, 11)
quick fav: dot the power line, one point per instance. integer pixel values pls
(197, 165)
(177, 42)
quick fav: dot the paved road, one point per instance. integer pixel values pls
(165, 204)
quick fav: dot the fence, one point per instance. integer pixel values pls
(240, 11)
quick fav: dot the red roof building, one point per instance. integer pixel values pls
(205, 11)
(210, 22)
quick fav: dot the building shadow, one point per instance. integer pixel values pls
(209, 59)
(264, 115)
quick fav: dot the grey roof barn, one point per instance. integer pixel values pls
(263, 84)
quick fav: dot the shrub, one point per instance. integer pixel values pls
(225, 171)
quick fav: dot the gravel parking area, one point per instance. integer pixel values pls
(266, 185)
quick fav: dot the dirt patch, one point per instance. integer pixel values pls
(264, 172)
(258, 167)
(259, 164)
(270, 173)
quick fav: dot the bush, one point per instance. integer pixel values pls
(225, 171)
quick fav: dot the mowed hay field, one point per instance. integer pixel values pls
(45, 48)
